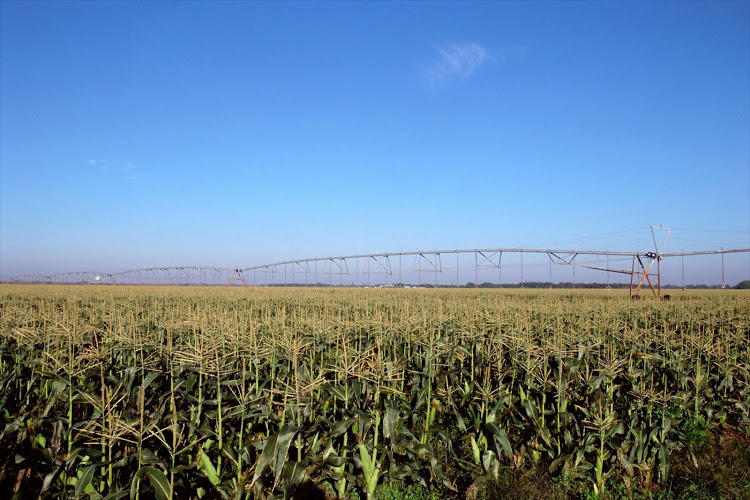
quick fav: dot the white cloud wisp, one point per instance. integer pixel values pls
(455, 61)
(126, 169)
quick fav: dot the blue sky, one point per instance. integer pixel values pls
(140, 134)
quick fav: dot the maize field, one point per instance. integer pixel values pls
(187, 392)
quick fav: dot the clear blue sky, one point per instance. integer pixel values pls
(238, 133)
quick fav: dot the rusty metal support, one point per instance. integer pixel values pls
(645, 276)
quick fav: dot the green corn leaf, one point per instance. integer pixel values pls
(499, 435)
(294, 473)
(229, 452)
(367, 465)
(490, 463)
(117, 495)
(282, 448)
(58, 386)
(334, 390)
(85, 479)
(437, 472)
(663, 460)
(369, 469)
(159, 482)
(49, 478)
(149, 379)
(336, 461)
(205, 465)
(555, 465)
(266, 458)
(546, 436)
(340, 427)
(459, 420)
(475, 450)
(356, 387)
(148, 457)
(390, 422)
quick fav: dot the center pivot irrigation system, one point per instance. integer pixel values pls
(645, 268)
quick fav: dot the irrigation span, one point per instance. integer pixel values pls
(415, 268)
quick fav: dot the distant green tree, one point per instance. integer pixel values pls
(743, 285)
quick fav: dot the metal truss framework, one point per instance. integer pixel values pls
(309, 272)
